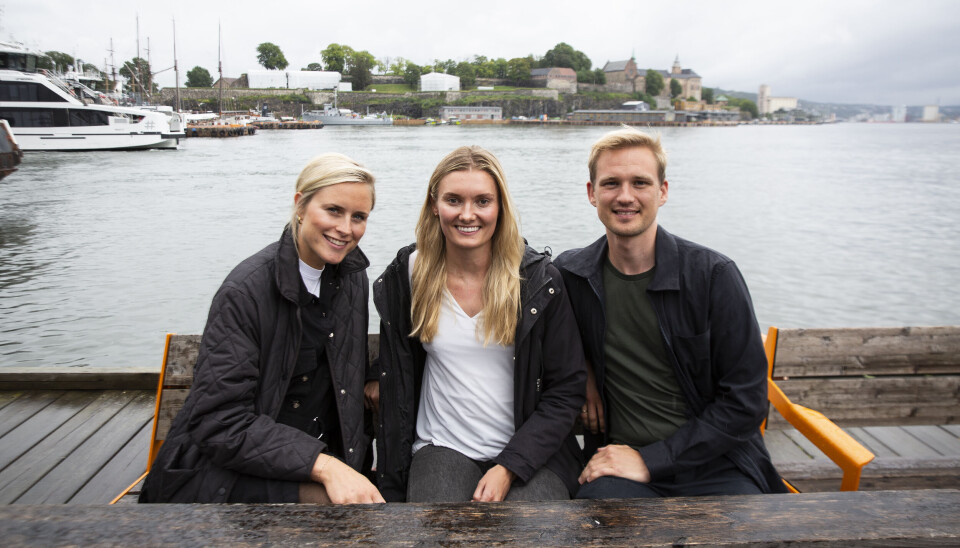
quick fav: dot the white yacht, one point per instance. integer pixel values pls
(47, 113)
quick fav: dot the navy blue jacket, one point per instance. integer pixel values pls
(711, 336)
(549, 378)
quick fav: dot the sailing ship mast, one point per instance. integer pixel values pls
(176, 72)
(220, 67)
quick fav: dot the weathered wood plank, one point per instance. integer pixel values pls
(916, 518)
(69, 476)
(853, 401)
(952, 428)
(874, 445)
(79, 378)
(902, 442)
(30, 432)
(942, 441)
(24, 407)
(30, 467)
(181, 358)
(7, 397)
(117, 474)
(171, 401)
(868, 351)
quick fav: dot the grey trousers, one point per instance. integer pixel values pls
(439, 474)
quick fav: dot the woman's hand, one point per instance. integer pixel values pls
(371, 396)
(616, 460)
(494, 485)
(591, 414)
(344, 485)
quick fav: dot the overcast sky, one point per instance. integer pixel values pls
(887, 52)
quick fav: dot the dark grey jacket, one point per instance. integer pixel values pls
(549, 378)
(247, 356)
(711, 335)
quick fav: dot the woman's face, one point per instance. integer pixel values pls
(468, 206)
(333, 222)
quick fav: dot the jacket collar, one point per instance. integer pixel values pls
(288, 265)
(588, 262)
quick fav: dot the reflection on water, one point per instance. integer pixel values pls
(101, 254)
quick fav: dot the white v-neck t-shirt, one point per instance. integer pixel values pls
(466, 401)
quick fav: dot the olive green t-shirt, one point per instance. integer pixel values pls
(644, 402)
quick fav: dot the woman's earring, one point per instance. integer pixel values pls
(299, 220)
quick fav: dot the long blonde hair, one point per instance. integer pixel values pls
(501, 288)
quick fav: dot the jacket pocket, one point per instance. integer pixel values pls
(693, 353)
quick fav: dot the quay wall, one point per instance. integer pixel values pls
(291, 102)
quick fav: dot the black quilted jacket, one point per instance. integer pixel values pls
(247, 356)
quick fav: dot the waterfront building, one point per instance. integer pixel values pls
(931, 113)
(767, 104)
(561, 79)
(625, 76)
(438, 81)
(470, 113)
(689, 81)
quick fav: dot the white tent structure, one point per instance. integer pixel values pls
(438, 81)
(309, 79)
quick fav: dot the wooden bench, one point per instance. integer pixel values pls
(181, 351)
(877, 518)
(895, 390)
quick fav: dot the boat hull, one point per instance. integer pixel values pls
(51, 141)
(348, 121)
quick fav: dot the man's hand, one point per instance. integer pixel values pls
(343, 484)
(591, 414)
(494, 485)
(371, 396)
(616, 460)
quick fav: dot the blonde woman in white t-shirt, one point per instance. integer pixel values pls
(481, 371)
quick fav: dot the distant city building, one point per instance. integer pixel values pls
(471, 113)
(559, 78)
(931, 113)
(636, 105)
(767, 104)
(689, 81)
(438, 81)
(898, 114)
(308, 79)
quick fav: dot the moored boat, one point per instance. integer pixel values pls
(47, 114)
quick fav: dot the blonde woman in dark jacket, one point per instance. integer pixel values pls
(481, 369)
(275, 413)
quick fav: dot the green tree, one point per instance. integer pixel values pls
(600, 77)
(707, 94)
(518, 69)
(137, 70)
(199, 77)
(411, 74)
(563, 55)
(653, 83)
(675, 88)
(335, 57)
(60, 60)
(748, 106)
(359, 66)
(398, 66)
(467, 74)
(448, 66)
(500, 67)
(314, 66)
(271, 57)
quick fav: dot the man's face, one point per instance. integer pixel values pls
(627, 192)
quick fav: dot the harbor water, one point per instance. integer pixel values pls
(102, 253)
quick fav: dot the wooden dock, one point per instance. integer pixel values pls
(86, 446)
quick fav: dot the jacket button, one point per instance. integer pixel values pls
(304, 378)
(331, 335)
(342, 391)
(350, 450)
(533, 310)
(295, 404)
(384, 374)
(380, 281)
(550, 291)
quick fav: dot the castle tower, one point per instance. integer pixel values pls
(676, 66)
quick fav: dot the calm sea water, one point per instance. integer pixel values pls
(103, 253)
